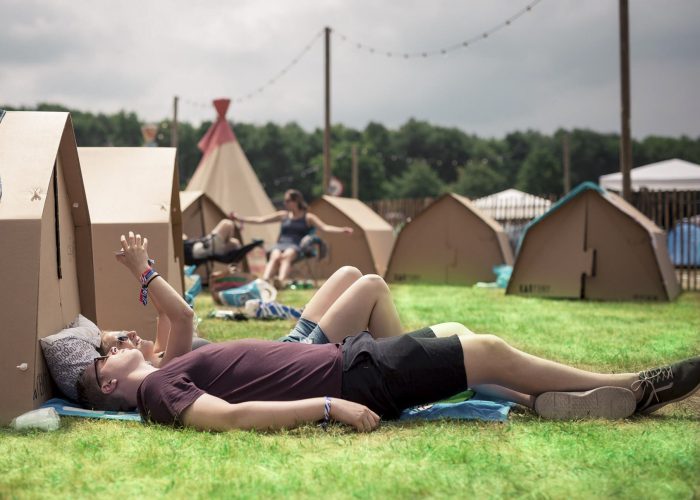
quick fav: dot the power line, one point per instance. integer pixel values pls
(441, 51)
(269, 82)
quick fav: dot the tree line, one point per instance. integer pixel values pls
(418, 159)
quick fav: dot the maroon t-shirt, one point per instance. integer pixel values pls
(238, 371)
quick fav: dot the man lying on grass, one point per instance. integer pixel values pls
(255, 384)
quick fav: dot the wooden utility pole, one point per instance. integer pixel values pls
(327, 125)
(355, 178)
(625, 135)
(566, 160)
(173, 126)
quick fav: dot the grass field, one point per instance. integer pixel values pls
(646, 457)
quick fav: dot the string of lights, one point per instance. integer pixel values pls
(372, 50)
(269, 82)
(441, 51)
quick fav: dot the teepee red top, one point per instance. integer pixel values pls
(220, 131)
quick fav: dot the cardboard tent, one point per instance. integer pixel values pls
(368, 248)
(132, 189)
(226, 176)
(200, 214)
(594, 245)
(452, 242)
(45, 250)
(665, 175)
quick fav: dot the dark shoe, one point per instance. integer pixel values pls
(667, 384)
(604, 402)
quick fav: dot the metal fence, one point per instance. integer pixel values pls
(676, 212)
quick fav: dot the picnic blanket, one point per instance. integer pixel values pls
(471, 409)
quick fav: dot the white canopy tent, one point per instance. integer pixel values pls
(661, 176)
(512, 204)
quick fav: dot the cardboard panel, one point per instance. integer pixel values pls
(116, 289)
(552, 259)
(421, 252)
(36, 302)
(19, 264)
(132, 189)
(343, 249)
(449, 242)
(626, 266)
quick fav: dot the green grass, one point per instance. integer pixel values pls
(650, 457)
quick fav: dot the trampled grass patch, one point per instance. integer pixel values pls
(647, 457)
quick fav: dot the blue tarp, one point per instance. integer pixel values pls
(684, 244)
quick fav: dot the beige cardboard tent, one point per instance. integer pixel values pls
(225, 174)
(451, 241)
(200, 214)
(368, 248)
(132, 189)
(45, 250)
(594, 245)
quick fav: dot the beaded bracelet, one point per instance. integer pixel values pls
(326, 413)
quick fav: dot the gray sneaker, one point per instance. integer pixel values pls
(604, 402)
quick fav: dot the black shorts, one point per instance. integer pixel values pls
(390, 375)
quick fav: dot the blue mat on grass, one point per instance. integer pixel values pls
(475, 408)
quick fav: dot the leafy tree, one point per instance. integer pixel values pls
(418, 181)
(541, 173)
(476, 179)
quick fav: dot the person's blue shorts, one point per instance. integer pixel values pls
(306, 332)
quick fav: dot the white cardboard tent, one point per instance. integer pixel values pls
(665, 175)
(226, 176)
(368, 248)
(132, 189)
(452, 242)
(512, 204)
(594, 245)
(45, 250)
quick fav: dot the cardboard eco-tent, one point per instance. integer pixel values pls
(132, 189)
(367, 248)
(452, 242)
(225, 174)
(594, 245)
(45, 250)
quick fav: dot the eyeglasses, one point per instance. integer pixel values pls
(97, 373)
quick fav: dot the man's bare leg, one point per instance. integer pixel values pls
(365, 305)
(489, 360)
(454, 328)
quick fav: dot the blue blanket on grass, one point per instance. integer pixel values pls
(475, 408)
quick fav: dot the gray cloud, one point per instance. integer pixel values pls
(556, 66)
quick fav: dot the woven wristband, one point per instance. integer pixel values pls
(326, 413)
(145, 278)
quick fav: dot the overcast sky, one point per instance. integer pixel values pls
(556, 66)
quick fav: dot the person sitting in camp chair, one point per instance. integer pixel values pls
(256, 384)
(297, 223)
(220, 245)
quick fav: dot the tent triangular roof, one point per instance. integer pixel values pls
(226, 176)
(368, 248)
(663, 175)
